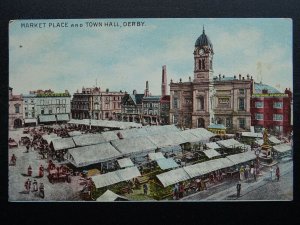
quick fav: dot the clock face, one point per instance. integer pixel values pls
(201, 51)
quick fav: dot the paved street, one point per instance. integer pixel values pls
(262, 189)
(53, 192)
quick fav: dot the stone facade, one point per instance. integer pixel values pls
(209, 99)
(96, 104)
(15, 113)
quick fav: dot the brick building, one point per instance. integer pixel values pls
(271, 109)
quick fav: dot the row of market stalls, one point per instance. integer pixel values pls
(196, 170)
(88, 149)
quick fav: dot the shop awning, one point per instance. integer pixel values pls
(282, 148)
(126, 162)
(88, 155)
(47, 118)
(62, 117)
(110, 196)
(212, 145)
(156, 156)
(30, 120)
(242, 157)
(211, 153)
(165, 164)
(63, 143)
(173, 177)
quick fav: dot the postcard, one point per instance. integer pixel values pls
(147, 110)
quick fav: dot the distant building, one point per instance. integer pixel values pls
(271, 109)
(96, 104)
(165, 110)
(15, 117)
(209, 99)
(46, 107)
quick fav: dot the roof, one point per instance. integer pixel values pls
(203, 40)
(110, 196)
(109, 135)
(63, 143)
(133, 145)
(125, 162)
(50, 137)
(173, 177)
(282, 148)
(259, 87)
(106, 123)
(137, 98)
(160, 129)
(110, 178)
(212, 145)
(88, 139)
(211, 153)
(47, 118)
(156, 156)
(175, 148)
(189, 137)
(242, 157)
(62, 117)
(216, 78)
(133, 132)
(230, 143)
(88, 155)
(203, 134)
(165, 164)
(251, 134)
(152, 98)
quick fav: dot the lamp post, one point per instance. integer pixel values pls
(257, 151)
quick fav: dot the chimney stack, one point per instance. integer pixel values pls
(164, 81)
(240, 76)
(147, 89)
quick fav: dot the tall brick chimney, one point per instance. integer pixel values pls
(146, 94)
(164, 81)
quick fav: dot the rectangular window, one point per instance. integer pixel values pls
(259, 104)
(42, 102)
(277, 105)
(57, 101)
(259, 116)
(17, 109)
(278, 128)
(175, 103)
(106, 106)
(277, 117)
(42, 111)
(26, 115)
(241, 104)
(242, 123)
(242, 91)
(50, 111)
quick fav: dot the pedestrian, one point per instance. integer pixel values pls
(246, 172)
(271, 173)
(242, 175)
(29, 171)
(35, 185)
(41, 171)
(41, 188)
(29, 184)
(175, 192)
(203, 185)
(145, 187)
(27, 147)
(238, 189)
(13, 160)
(277, 173)
(26, 185)
(181, 190)
(254, 173)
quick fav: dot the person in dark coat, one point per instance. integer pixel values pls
(277, 173)
(238, 189)
(41, 188)
(35, 185)
(145, 188)
(29, 171)
(13, 160)
(41, 171)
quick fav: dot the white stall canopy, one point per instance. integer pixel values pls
(252, 134)
(212, 145)
(242, 157)
(210, 153)
(230, 143)
(156, 156)
(274, 140)
(88, 155)
(47, 118)
(173, 177)
(88, 139)
(110, 196)
(63, 143)
(165, 164)
(282, 148)
(125, 162)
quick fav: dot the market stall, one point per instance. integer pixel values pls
(88, 139)
(125, 162)
(211, 153)
(173, 177)
(110, 196)
(165, 164)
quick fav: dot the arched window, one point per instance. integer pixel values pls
(203, 64)
(200, 64)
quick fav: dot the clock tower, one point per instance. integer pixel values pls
(203, 59)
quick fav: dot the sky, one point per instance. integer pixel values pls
(124, 57)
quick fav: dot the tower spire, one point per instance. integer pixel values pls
(203, 30)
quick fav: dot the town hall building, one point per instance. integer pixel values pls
(209, 99)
